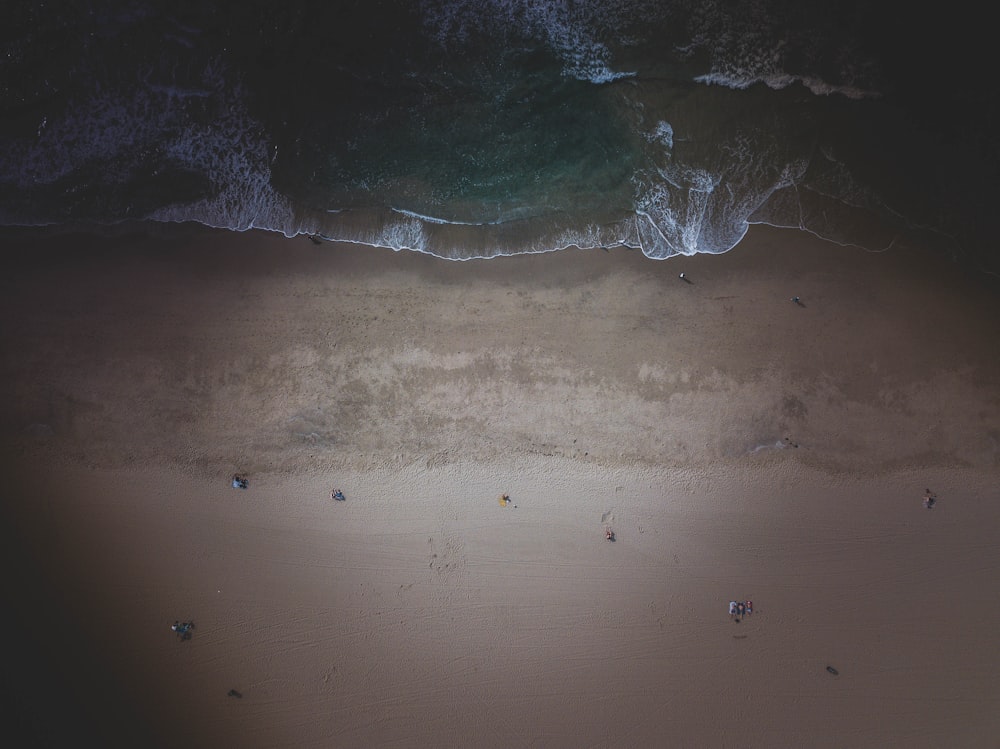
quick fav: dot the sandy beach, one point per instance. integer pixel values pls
(741, 447)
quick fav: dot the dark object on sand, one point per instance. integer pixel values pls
(798, 301)
(315, 240)
(609, 534)
(183, 629)
(930, 499)
(337, 495)
(234, 693)
(240, 481)
(833, 671)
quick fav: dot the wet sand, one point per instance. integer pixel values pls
(739, 445)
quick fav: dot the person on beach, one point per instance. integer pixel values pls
(609, 534)
(930, 499)
(732, 609)
(741, 610)
(183, 629)
(749, 607)
(337, 495)
(240, 482)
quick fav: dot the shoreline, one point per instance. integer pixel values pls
(351, 350)
(891, 240)
(738, 444)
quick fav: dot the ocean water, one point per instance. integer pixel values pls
(477, 128)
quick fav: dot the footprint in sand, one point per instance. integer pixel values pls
(608, 517)
(450, 557)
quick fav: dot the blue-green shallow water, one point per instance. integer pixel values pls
(473, 128)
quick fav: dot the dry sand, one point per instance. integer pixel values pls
(739, 445)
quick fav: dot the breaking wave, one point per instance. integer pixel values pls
(468, 128)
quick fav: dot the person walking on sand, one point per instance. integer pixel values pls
(930, 499)
(732, 609)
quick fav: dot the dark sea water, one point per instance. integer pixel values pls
(476, 128)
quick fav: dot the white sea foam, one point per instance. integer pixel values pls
(439, 220)
(111, 136)
(570, 29)
(752, 43)
(745, 79)
(663, 135)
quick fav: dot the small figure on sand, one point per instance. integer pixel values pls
(235, 693)
(732, 609)
(240, 481)
(609, 534)
(337, 495)
(930, 499)
(504, 499)
(183, 629)
(798, 301)
(684, 278)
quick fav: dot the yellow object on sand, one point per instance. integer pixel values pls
(504, 500)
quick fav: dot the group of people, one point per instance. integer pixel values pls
(740, 609)
(183, 629)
